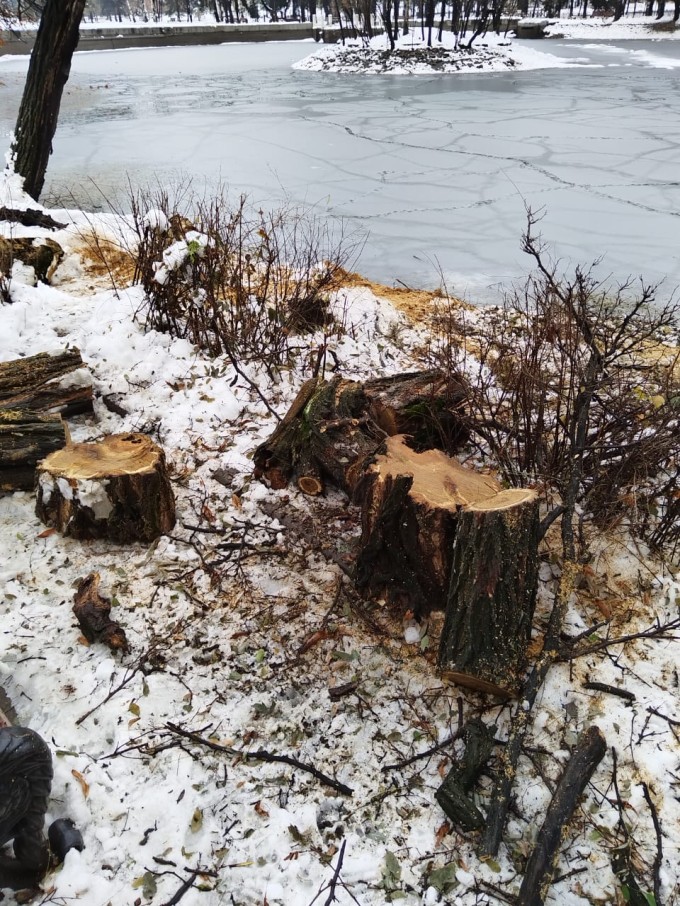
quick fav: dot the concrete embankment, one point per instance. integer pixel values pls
(112, 38)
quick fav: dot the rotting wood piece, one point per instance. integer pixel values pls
(409, 513)
(491, 597)
(93, 613)
(333, 426)
(25, 439)
(585, 757)
(117, 489)
(43, 255)
(47, 383)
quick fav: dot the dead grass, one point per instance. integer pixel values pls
(103, 258)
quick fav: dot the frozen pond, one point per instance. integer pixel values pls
(437, 169)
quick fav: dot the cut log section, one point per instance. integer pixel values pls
(47, 383)
(334, 426)
(409, 504)
(116, 489)
(491, 598)
(25, 439)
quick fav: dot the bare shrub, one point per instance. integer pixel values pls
(234, 280)
(573, 387)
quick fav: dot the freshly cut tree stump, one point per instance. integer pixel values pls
(47, 383)
(491, 598)
(116, 489)
(409, 514)
(334, 426)
(25, 439)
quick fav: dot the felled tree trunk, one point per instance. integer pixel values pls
(116, 489)
(409, 515)
(491, 598)
(334, 426)
(47, 383)
(26, 438)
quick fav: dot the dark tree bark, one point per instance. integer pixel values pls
(585, 757)
(117, 489)
(490, 606)
(25, 439)
(43, 255)
(48, 72)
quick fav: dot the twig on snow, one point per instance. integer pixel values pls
(262, 755)
(336, 875)
(659, 845)
(610, 690)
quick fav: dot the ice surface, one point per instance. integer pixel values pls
(438, 168)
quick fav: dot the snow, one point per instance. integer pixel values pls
(220, 653)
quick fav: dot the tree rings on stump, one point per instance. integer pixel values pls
(491, 598)
(116, 489)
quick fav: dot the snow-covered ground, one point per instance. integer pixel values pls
(243, 654)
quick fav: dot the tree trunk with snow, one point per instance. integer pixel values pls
(116, 489)
(491, 598)
(48, 73)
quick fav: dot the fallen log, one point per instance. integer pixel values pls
(47, 383)
(333, 426)
(25, 439)
(585, 757)
(491, 597)
(117, 489)
(30, 217)
(409, 513)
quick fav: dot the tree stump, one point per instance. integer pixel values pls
(116, 489)
(47, 383)
(25, 439)
(43, 255)
(491, 597)
(409, 514)
(334, 426)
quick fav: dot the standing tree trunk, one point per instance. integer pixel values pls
(48, 72)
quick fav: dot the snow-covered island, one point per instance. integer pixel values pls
(423, 52)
